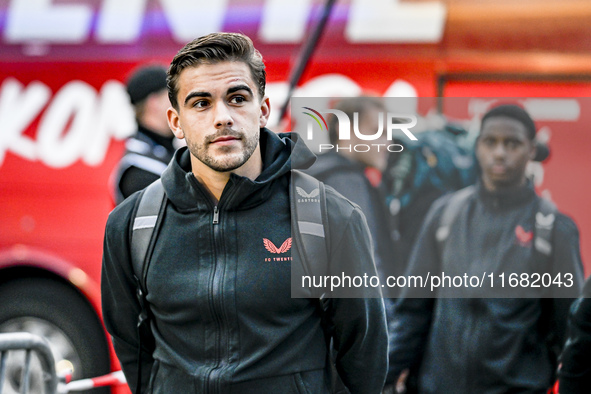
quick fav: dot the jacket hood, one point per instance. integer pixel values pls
(280, 154)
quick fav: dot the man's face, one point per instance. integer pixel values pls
(220, 115)
(503, 150)
(156, 106)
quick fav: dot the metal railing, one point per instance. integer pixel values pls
(30, 344)
(52, 383)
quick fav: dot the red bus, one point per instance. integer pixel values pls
(64, 113)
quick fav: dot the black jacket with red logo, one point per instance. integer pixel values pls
(487, 345)
(218, 288)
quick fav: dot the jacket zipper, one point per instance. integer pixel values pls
(216, 215)
(214, 375)
(217, 304)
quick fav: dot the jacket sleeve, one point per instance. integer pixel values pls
(566, 261)
(574, 375)
(119, 303)
(358, 324)
(409, 320)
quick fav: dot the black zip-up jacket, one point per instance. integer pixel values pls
(223, 319)
(486, 345)
(575, 372)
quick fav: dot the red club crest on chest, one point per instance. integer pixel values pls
(285, 246)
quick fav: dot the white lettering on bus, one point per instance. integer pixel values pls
(282, 21)
(77, 124)
(18, 109)
(396, 21)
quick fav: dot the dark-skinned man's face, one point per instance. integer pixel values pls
(503, 150)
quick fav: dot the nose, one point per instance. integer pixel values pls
(222, 116)
(499, 150)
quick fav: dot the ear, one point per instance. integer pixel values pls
(174, 122)
(533, 150)
(265, 111)
(476, 148)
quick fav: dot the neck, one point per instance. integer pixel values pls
(215, 181)
(500, 188)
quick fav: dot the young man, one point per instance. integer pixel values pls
(459, 341)
(149, 151)
(222, 319)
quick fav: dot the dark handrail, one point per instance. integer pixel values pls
(305, 55)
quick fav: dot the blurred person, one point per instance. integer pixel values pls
(574, 374)
(148, 152)
(488, 345)
(221, 314)
(439, 162)
(356, 173)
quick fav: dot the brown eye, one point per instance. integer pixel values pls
(237, 99)
(200, 104)
(512, 144)
(488, 142)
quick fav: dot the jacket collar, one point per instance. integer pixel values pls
(506, 199)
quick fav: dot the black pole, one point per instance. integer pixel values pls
(306, 54)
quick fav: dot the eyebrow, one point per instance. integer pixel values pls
(196, 94)
(236, 88)
(231, 90)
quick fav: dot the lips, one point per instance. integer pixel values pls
(225, 140)
(498, 168)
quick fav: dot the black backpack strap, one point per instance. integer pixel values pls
(310, 221)
(543, 247)
(450, 212)
(150, 204)
(545, 218)
(311, 233)
(146, 222)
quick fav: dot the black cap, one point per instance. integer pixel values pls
(145, 81)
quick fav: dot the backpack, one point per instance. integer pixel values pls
(309, 230)
(437, 161)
